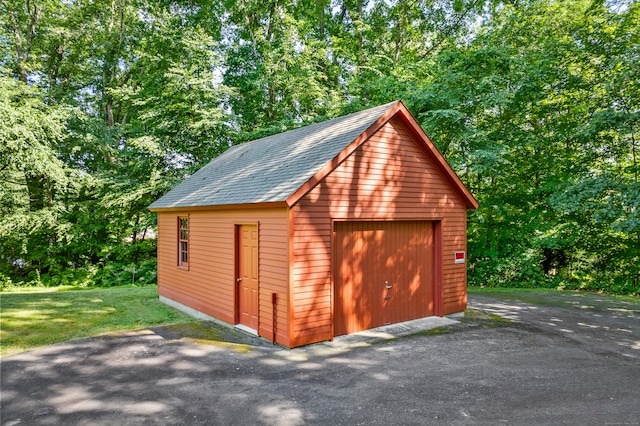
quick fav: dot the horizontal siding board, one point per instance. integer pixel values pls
(309, 335)
(301, 271)
(389, 177)
(316, 292)
(320, 324)
(388, 171)
(274, 263)
(313, 314)
(378, 196)
(209, 284)
(308, 250)
(276, 269)
(308, 278)
(311, 262)
(304, 305)
(313, 319)
(189, 300)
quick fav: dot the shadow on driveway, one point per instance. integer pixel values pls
(604, 324)
(549, 363)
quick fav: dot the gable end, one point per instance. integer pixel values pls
(397, 110)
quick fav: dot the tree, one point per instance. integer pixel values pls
(124, 101)
(34, 179)
(281, 75)
(534, 114)
(106, 104)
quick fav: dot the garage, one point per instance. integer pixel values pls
(383, 273)
(324, 230)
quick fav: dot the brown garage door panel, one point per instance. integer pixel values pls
(383, 273)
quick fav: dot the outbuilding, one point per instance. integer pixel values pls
(325, 230)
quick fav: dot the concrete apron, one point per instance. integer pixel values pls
(389, 332)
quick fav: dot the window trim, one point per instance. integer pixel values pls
(183, 242)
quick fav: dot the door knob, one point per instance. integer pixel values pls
(388, 286)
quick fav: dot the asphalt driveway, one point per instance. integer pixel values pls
(515, 359)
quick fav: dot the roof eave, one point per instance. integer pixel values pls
(263, 205)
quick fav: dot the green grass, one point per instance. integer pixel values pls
(533, 291)
(39, 317)
(30, 320)
(481, 290)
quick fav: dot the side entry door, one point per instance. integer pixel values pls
(248, 291)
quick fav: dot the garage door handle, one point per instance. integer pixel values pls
(388, 286)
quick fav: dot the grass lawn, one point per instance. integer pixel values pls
(521, 291)
(32, 319)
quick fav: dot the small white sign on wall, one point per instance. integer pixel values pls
(459, 257)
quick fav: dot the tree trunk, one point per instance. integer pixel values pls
(399, 45)
(40, 191)
(359, 34)
(23, 44)
(320, 4)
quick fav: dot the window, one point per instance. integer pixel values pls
(183, 241)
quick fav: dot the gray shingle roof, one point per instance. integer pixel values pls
(272, 168)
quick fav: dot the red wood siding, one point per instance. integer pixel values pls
(389, 177)
(209, 285)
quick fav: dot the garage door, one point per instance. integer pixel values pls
(383, 273)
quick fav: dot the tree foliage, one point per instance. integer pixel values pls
(106, 104)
